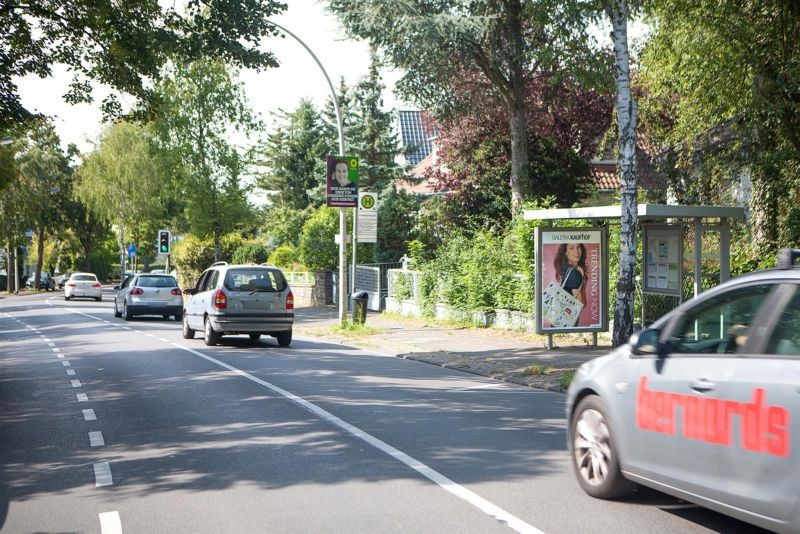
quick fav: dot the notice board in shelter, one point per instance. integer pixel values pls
(663, 259)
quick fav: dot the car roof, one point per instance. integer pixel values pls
(91, 274)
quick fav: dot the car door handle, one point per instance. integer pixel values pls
(702, 385)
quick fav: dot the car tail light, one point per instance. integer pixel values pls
(176, 292)
(290, 301)
(137, 291)
(70, 285)
(220, 300)
(96, 285)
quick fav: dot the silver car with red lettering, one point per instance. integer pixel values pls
(703, 405)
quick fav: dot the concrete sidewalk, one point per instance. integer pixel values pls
(511, 356)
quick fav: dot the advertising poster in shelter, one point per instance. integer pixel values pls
(571, 280)
(342, 181)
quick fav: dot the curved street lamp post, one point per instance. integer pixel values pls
(342, 211)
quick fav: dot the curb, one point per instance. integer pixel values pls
(509, 379)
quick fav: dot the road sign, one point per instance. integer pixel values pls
(132, 250)
(367, 217)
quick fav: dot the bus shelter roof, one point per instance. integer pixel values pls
(645, 211)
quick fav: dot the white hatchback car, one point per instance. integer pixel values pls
(83, 285)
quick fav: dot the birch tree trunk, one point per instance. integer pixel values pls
(626, 121)
(39, 259)
(518, 125)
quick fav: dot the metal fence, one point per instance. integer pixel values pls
(299, 278)
(404, 284)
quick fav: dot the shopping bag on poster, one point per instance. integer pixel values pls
(559, 307)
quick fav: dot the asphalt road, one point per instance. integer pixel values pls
(114, 426)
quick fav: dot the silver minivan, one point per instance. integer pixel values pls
(239, 299)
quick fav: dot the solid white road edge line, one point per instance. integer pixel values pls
(110, 523)
(434, 476)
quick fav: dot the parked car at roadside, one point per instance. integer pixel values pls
(148, 294)
(703, 404)
(240, 299)
(62, 279)
(85, 285)
(46, 282)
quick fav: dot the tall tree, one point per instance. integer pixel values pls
(618, 12)
(122, 180)
(122, 44)
(294, 156)
(564, 123)
(505, 40)
(735, 104)
(202, 107)
(372, 137)
(44, 174)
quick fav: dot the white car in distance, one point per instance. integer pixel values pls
(83, 285)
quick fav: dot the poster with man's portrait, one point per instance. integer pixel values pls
(342, 181)
(571, 280)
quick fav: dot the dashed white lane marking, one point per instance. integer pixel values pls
(65, 363)
(442, 481)
(110, 523)
(60, 356)
(102, 475)
(82, 397)
(51, 344)
(149, 335)
(89, 415)
(138, 331)
(96, 439)
(45, 338)
(76, 383)
(56, 350)
(127, 328)
(38, 332)
(70, 372)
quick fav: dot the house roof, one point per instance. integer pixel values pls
(413, 136)
(604, 175)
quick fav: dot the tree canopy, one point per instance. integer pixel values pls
(122, 43)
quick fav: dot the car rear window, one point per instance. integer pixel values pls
(85, 278)
(253, 279)
(156, 281)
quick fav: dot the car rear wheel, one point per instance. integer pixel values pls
(98, 299)
(209, 335)
(179, 316)
(284, 338)
(116, 311)
(188, 333)
(127, 312)
(254, 337)
(594, 453)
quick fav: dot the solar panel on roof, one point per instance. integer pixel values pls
(414, 136)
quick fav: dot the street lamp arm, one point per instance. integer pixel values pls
(339, 121)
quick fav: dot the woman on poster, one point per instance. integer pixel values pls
(570, 267)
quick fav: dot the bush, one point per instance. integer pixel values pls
(317, 248)
(250, 252)
(191, 256)
(286, 257)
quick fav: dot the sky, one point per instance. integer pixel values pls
(268, 91)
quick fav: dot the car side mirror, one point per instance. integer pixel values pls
(116, 288)
(188, 291)
(648, 342)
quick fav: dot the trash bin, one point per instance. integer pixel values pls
(359, 299)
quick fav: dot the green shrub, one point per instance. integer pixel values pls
(250, 252)
(317, 248)
(286, 257)
(191, 256)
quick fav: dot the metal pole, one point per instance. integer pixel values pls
(724, 251)
(342, 211)
(16, 270)
(355, 240)
(698, 255)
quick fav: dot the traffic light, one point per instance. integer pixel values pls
(164, 239)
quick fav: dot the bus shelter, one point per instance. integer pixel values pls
(667, 232)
